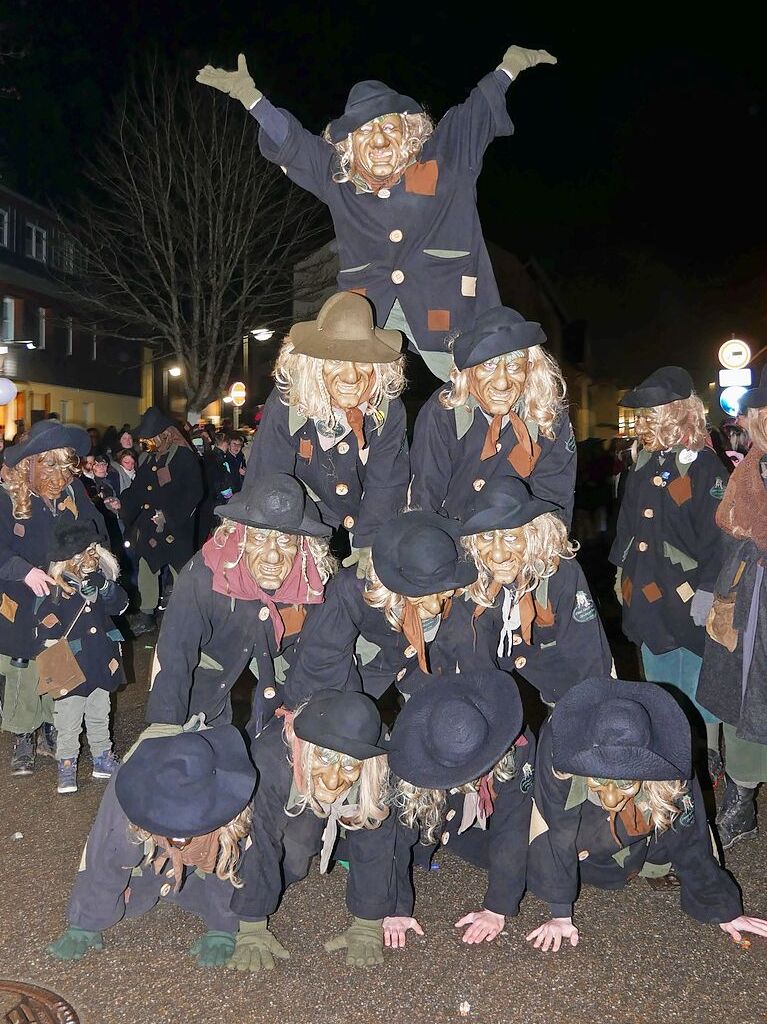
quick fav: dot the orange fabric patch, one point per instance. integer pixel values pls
(438, 319)
(680, 489)
(652, 592)
(292, 616)
(421, 179)
(8, 608)
(305, 449)
(359, 291)
(113, 666)
(49, 621)
(627, 589)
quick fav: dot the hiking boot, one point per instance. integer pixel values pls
(736, 819)
(46, 740)
(104, 765)
(67, 775)
(140, 623)
(23, 756)
(715, 767)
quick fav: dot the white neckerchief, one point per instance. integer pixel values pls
(511, 621)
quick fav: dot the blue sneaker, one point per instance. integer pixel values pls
(104, 765)
(68, 775)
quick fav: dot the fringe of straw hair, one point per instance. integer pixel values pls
(679, 423)
(416, 129)
(756, 425)
(546, 543)
(376, 595)
(108, 564)
(660, 802)
(16, 479)
(543, 398)
(301, 384)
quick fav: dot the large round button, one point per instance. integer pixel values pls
(383, 193)
(64, 692)
(643, 545)
(349, 522)
(146, 507)
(154, 469)
(87, 609)
(270, 693)
(520, 662)
(263, 614)
(401, 674)
(165, 890)
(93, 630)
(450, 815)
(149, 487)
(478, 485)
(343, 448)
(516, 639)
(342, 489)
(409, 651)
(398, 276)
(170, 873)
(395, 236)
(445, 838)
(657, 481)
(648, 513)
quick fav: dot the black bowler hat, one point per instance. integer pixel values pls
(504, 504)
(668, 384)
(367, 100)
(45, 436)
(495, 332)
(341, 720)
(152, 423)
(186, 785)
(455, 728)
(610, 729)
(418, 553)
(70, 538)
(757, 397)
(276, 501)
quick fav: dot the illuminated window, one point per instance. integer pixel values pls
(627, 419)
(35, 241)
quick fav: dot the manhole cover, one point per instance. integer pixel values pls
(27, 1004)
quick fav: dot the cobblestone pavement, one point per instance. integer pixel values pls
(639, 960)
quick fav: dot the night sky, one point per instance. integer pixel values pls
(635, 175)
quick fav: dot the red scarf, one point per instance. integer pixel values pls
(298, 588)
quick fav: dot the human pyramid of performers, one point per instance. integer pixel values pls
(386, 597)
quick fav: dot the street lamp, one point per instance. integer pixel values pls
(174, 371)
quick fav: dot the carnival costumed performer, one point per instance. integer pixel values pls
(336, 421)
(401, 192)
(615, 797)
(40, 487)
(502, 415)
(240, 602)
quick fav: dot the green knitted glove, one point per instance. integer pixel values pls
(74, 944)
(518, 59)
(361, 558)
(618, 585)
(256, 948)
(237, 84)
(153, 731)
(213, 949)
(363, 942)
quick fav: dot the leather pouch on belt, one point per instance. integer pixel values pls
(59, 671)
(719, 624)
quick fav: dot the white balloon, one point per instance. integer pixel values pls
(8, 391)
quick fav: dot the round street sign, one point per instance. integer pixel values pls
(734, 354)
(238, 393)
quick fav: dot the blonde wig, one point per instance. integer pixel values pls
(678, 423)
(376, 595)
(108, 564)
(416, 129)
(660, 802)
(301, 384)
(318, 548)
(16, 479)
(543, 396)
(373, 782)
(423, 808)
(546, 543)
(229, 837)
(756, 425)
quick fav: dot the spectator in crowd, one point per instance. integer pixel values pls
(236, 460)
(86, 467)
(124, 467)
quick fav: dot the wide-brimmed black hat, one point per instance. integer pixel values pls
(45, 436)
(152, 423)
(504, 504)
(70, 538)
(668, 384)
(345, 329)
(495, 332)
(418, 553)
(186, 785)
(341, 720)
(757, 397)
(367, 100)
(276, 501)
(611, 729)
(455, 728)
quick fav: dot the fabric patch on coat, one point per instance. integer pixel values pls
(680, 489)
(620, 856)
(579, 792)
(113, 666)
(421, 179)
(438, 319)
(68, 505)
(156, 667)
(152, 542)
(49, 621)
(678, 557)
(537, 823)
(584, 610)
(305, 449)
(652, 592)
(627, 589)
(686, 592)
(468, 286)
(8, 608)
(19, 529)
(81, 865)
(359, 291)
(163, 476)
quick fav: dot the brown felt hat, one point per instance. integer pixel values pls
(345, 329)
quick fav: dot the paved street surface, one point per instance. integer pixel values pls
(640, 959)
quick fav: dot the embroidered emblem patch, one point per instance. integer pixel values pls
(528, 778)
(687, 817)
(584, 609)
(570, 444)
(717, 491)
